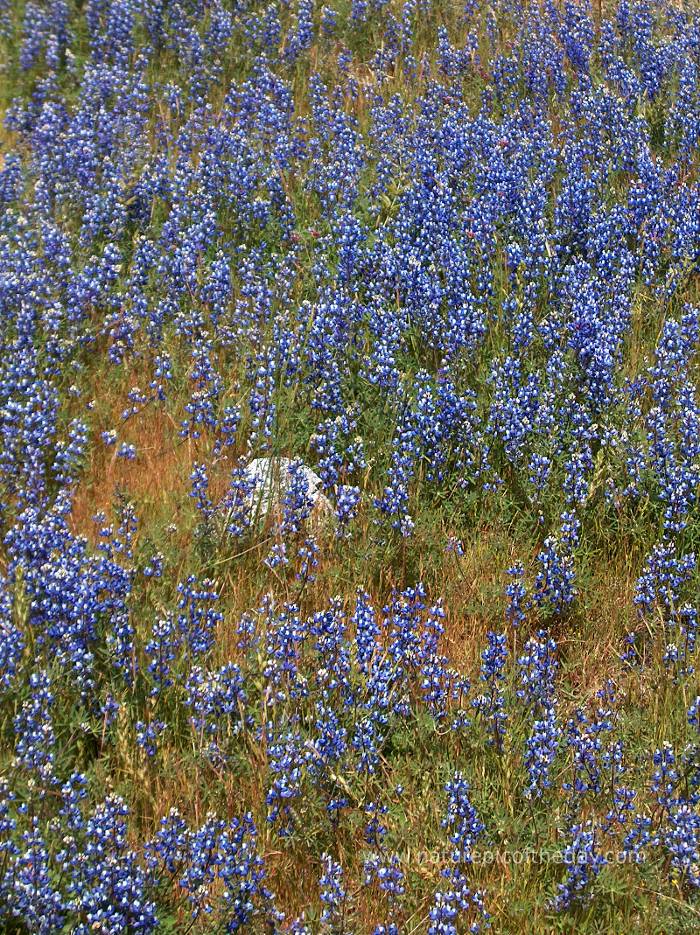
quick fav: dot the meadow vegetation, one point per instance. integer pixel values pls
(446, 254)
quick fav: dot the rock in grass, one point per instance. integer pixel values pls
(278, 483)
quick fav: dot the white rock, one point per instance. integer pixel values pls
(271, 479)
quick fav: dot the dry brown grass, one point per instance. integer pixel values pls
(158, 482)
